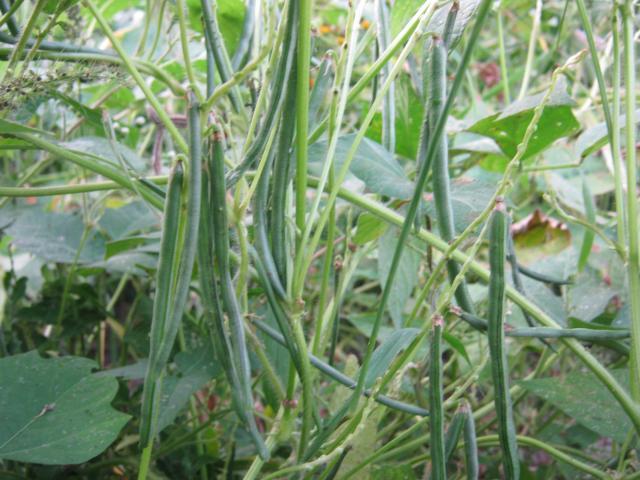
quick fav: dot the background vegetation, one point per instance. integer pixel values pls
(318, 239)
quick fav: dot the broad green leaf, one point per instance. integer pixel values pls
(594, 138)
(133, 217)
(508, 127)
(194, 370)
(387, 351)
(581, 396)
(406, 276)
(54, 411)
(102, 148)
(469, 196)
(55, 237)
(369, 228)
(457, 344)
(372, 164)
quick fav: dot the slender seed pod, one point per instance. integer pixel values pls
(440, 180)
(343, 379)
(453, 434)
(220, 54)
(211, 64)
(470, 443)
(540, 277)
(227, 290)
(260, 227)
(210, 295)
(280, 180)
(436, 419)
(450, 23)
(242, 49)
(161, 304)
(497, 349)
(589, 235)
(584, 334)
(281, 79)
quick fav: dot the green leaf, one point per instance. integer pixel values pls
(92, 115)
(508, 127)
(54, 411)
(101, 147)
(9, 128)
(54, 237)
(372, 164)
(582, 396)
(406, 277)
(194, 370)
(387, 351)
(594, 138)
(395, 472)
(369, 228)
(469, 195)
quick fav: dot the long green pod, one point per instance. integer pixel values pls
(585, 334)
(452, 437)
(589, 235)
(242, 49)
(260, 228)
(210, 296)
(227, 290)
(189, 228)
(441, 183)
(181, 255)
(436, 419)
(450, 24)
(280, 181)
(470, 443)
(497, 349)
(161, 303)
(220, 54)
(282, 77)
(541, 277)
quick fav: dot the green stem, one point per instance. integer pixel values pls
(504, 69)
(533, 38)
(302, 111)
(615, 134)
(632, 205)
(184, 43)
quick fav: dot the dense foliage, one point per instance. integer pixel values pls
(318, 239)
